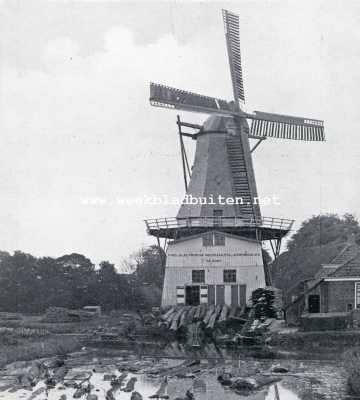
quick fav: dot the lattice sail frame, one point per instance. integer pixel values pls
(232, 34)
(263, 124)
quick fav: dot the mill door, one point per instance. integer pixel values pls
(314, 303)
(192, 295)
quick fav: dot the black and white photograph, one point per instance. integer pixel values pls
(179, 200)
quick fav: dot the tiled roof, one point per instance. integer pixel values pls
(349, 252)
(349, 269)
(325, 271)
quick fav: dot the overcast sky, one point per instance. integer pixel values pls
(75, 121)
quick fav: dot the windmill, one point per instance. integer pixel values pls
(223, 167)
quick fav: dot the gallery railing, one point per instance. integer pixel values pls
(227, 222)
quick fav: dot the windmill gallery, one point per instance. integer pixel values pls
(214, 249)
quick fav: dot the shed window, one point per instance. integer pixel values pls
(198, 276)
(229, 275)
(357, 292)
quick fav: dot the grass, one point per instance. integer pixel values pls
(35, 322)
(330, 342)
(23, 338)
(352, 366)
(29, 338)
(33, 349)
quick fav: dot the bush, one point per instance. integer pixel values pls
(352, 366)
(263, 303)
(45, 348)
(7, 337)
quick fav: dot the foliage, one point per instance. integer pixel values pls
(31, 285)
(323, 229)
(262, 300)
(38, 349)
(318, 240)
(352, 366)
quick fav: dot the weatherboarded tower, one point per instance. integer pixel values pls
(214, 244)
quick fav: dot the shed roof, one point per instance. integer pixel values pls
(349, 269)
(349, 252)
(344, 265)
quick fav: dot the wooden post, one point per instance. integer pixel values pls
(182, 152)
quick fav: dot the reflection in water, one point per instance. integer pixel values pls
(283, 394)
(202, 382)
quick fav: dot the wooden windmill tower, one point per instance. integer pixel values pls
(214, 251)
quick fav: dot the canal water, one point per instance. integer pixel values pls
(304, 379)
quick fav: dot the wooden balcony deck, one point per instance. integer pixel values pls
(265, 228)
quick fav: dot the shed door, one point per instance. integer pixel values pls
(314, 303)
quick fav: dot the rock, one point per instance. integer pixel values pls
(243, 386)
(56, 363)
(59, 374)
(92, 397)
(36, 393)
(25, 381)
(136, 396)
(279, 370)
(117, 381)
(109, 377)
(50, 383)
(225, 379)
(62, 397)
(130, 385)
(110, 395)
(189, 395)
(161, 393)
(81, 391)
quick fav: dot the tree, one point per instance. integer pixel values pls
(148, 265)
(318, 240)
(19, 281)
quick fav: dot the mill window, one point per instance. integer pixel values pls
(213, 239)
(207, 239)
(229, 275)
(198, 276)
(219, 239)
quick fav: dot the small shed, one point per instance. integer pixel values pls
(334, 289)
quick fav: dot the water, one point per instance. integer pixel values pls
(305, 380)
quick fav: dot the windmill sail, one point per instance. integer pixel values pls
(231, 25)
(169, 97)
(285, 127)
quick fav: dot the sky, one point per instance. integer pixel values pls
(77, 132)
